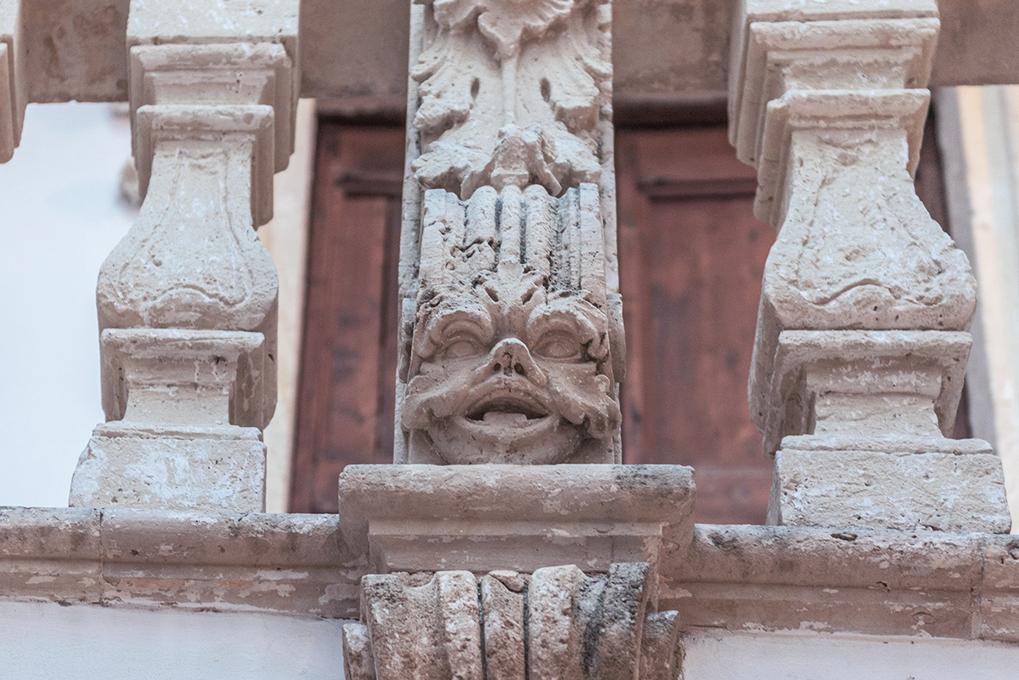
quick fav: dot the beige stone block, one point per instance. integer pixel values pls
(187, 469)
(955, 493)
(50, 554)
(492, 517)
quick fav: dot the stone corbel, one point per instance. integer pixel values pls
(417, 518)
(512, 344)
(556, 623)
(187, 301)
(13, 89)
(862, 330)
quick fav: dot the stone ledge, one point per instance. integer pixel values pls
(731, 577)
(490, 517)
(293, 564)
(962, 586)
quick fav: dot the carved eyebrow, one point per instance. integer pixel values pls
(462, 319)
(567, 318)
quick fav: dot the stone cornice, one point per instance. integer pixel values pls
(733, 577)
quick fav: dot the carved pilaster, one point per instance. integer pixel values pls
(187, 300)
(861, 344)
(13, 90)
(556, 623)
(512, 345)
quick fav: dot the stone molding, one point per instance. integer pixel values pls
(188, 299)
(13, 88)
(419, 518)
(962, 586)
(555, 623)
(862, 329)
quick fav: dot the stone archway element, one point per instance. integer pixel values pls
(555, 624)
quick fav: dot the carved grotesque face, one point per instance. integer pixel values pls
(506, 372)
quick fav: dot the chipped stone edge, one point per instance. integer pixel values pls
(732, 577)
(294, 564)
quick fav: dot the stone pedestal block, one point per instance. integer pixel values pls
(953, 492)
(488, 517)
(175, 471)
(13, 89)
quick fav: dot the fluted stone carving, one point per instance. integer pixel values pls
(556, 624)
(13, 90)
(187, 300)
(861, 344)
(512, 345)
(511, 355)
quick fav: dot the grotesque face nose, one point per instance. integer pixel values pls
(511, 357)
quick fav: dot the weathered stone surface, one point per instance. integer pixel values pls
(512, 351)
(861, 344)
(569, 626)
(189, 330)
(492, 517)
(512, 320)
(909, 492)
(13, 87)
(294, 564)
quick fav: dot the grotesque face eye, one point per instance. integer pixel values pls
(462, 347)
(559, 347)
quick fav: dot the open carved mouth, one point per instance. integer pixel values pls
(507, 410)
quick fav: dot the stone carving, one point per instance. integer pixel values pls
(511, 357)
(187, 300)
(512, 94)
(556, 624)
(13, 89)
(861, 342)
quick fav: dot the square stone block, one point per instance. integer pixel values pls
(178, 471)
(482, 518)
(915, 491)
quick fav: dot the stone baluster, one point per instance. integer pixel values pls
(512, 345)
(13, 90)
(187, 300)
(862, 335)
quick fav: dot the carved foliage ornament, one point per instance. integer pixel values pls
(512, 93)
(556, 624)
(511, 356)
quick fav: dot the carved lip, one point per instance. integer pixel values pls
(503, 408)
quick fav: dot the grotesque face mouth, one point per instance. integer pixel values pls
(507, 411)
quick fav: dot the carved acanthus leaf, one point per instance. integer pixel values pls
(507, 98)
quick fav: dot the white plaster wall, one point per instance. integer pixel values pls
(816, 656)
(60, 215)
(45, 641)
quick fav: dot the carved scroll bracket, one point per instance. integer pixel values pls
(13, 89)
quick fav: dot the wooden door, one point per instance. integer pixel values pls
(691, 262)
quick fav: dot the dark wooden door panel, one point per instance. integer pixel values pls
(349, 356)
(691, 261)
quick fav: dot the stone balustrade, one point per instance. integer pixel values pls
(187, 301)
(862, 334)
